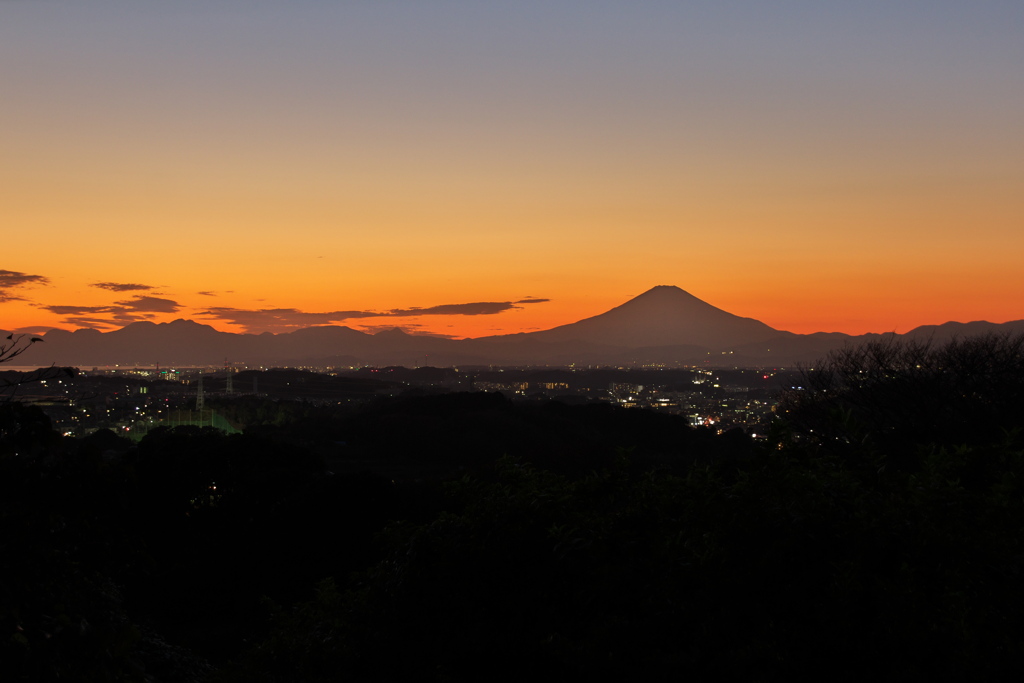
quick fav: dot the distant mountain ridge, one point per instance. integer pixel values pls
(664, 325)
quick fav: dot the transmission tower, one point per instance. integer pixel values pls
(227, 368)
(199, 396)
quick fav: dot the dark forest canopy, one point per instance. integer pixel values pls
(873, 535)
(892, 394)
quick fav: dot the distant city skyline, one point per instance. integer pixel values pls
(468, 169)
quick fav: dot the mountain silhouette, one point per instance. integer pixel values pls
(663, 325)
(664, 316)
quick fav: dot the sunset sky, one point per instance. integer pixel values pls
(473, 168)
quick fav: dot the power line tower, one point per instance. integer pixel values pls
(227, 368)
(199, 396)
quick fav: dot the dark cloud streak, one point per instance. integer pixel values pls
(121, 313)
(9, 279)
(286, 319)
(476, 308)
(121, 286)
(76, 310)
(279, 319)
(140, 307)
(150, 304)
(411, 329)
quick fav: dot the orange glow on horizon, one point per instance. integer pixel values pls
(365, 159)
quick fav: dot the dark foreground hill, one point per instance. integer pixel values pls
(465, 537)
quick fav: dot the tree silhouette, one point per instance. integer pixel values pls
(895, 395)
(12, 346)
